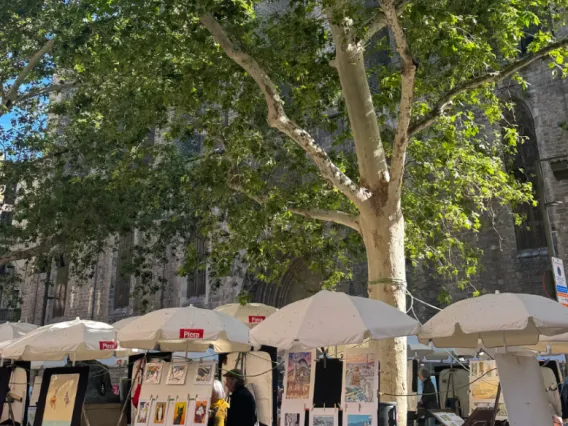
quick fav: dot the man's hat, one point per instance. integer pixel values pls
(236, 374)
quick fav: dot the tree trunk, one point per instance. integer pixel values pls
(383, 236)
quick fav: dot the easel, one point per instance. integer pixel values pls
(11, 397)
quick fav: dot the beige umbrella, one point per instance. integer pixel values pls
(119, 324)
(80, 340)
(551, 344)
(498, 320)
(250, 314)
(188, 329)
(14, 330)
(332, 318)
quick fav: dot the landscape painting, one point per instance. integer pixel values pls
(359, 420)
(60, 400)
(360, 376)
(323, 420)
(299, 375)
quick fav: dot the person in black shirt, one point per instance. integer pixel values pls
(429, 400)
(242, 407)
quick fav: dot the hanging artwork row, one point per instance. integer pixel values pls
(172, 413)
(62, 396)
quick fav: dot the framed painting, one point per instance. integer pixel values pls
(62, 396)
(204, 374)
(153, 373)
(177, 373)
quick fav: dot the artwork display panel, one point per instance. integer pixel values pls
(323, 417)
(177, 373)
(177, 400)
(62, 396)
(153, 373)
(299, 375)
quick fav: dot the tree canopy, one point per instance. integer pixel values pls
(155, 124)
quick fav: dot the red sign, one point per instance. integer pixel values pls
(255, 319)
(108, 346)
(191, 333)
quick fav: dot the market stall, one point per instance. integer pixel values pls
(505, 322)
(326, 391)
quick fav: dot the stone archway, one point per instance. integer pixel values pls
(297, 283)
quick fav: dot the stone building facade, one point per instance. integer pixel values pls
(515, 259)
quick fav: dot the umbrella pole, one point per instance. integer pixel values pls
(496, 407)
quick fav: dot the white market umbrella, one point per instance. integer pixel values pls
(80, 340)
(551, 344)
(498, 320)
(119, 324)
(14, 330)
(329, 319)
(188, 329)
(250, 314)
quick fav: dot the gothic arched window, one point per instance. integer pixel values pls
(530, 234)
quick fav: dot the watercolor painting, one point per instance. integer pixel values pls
(292, 419)
(299, 375)
(60, 400)
(322, 420)
(180, 413)
(177, 374)
(200, 415)
(143, 412)
(360, 375)
(160, 411)
(359, 420)
(204, 374)
(153, 373)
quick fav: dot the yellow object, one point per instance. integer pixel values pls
(220, 409)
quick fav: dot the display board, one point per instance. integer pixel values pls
(175, 393)
(299, 379)
(258, 371)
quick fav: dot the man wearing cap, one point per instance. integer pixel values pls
(242, 408)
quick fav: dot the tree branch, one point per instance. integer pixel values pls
(27, 253)
(335, 216)
(277, 117)
(12, 93)
(408, 71)
(378, 20)
(44, 91)
(491, 77)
